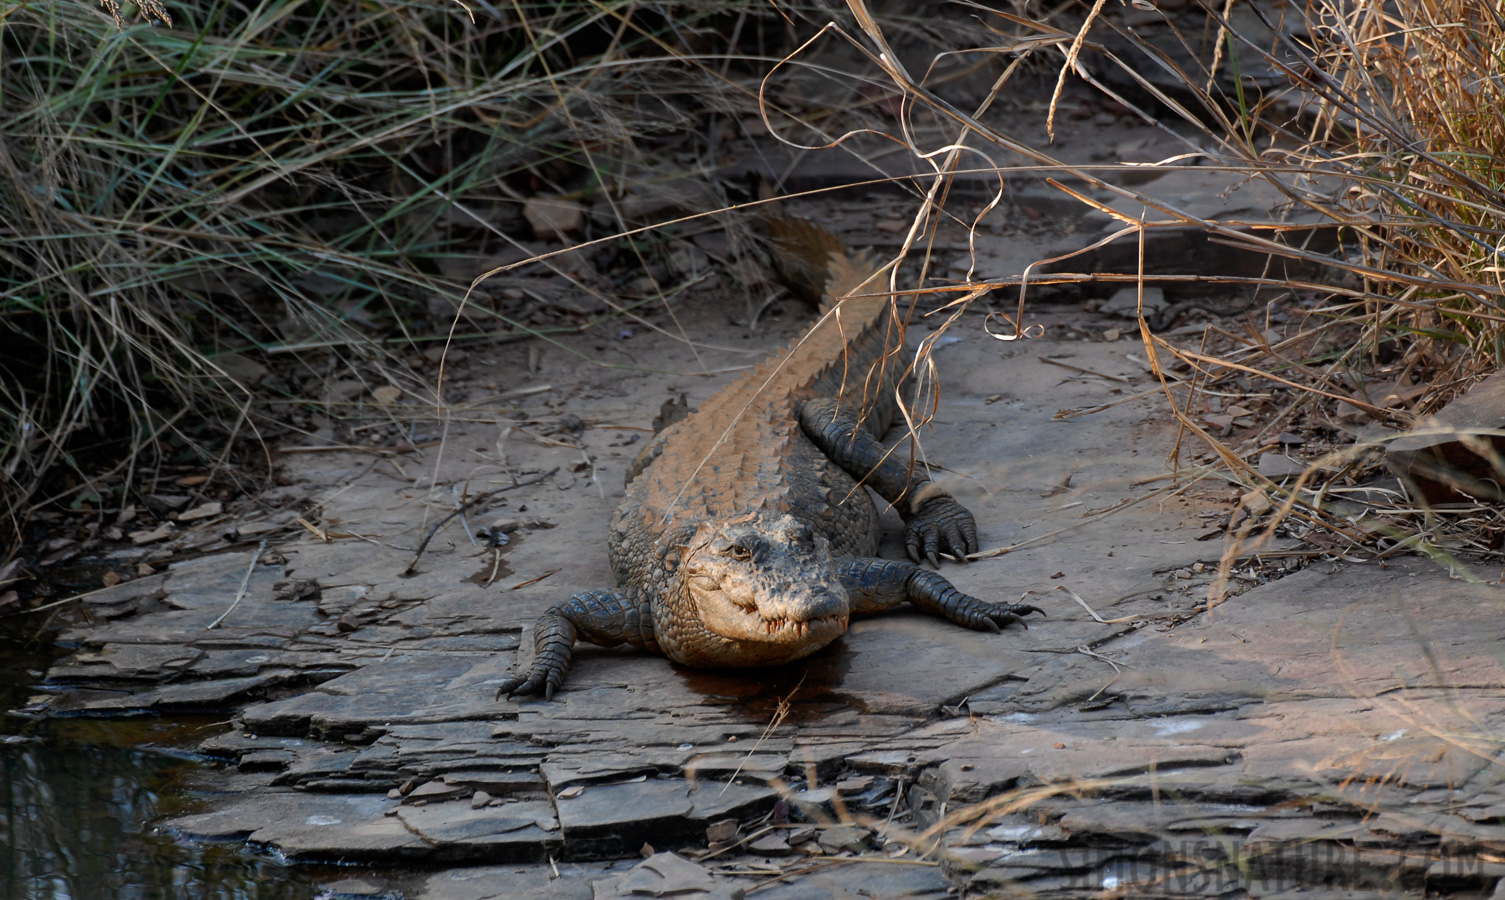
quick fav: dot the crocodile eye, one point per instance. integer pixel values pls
(739, 553)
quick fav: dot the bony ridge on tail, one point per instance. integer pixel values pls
(744, 538)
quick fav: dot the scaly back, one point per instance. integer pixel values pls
(743, 452)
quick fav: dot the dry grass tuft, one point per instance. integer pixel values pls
(1385, 122)
(1378, 121)
(204, 226)
(1408, 111)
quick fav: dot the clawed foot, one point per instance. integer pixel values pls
(527, 685)
(941, 525)
(993, 617)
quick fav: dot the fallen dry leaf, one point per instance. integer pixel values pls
(160, 533)
(202, 511)
(552, 217)
(386, 395)
(1257, 503)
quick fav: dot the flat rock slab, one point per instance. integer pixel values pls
(507, 830)
(1455, 455)
(618, 818)
(310, 826)
(373, 683)
(668, 875)
(1368, 697)
(1342, 708)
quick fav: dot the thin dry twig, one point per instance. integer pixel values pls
(780, 713)
(244, 584)
(468, 504)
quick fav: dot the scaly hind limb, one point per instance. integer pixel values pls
(934, 521)
(606, 618)
(878, 584)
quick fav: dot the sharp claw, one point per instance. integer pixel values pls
(993, 625)
(934, 563)
(548, 692)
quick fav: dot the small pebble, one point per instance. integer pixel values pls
(479, 799)
(722, 832)
(771, 845)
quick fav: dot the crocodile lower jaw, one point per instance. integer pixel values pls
(825, 628)
(764, 642)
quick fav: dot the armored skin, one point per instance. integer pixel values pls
(745, 537)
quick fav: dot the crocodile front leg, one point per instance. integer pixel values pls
(934, 521)
(878, 584)
(605, 618)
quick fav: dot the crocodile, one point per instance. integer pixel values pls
(744, 537)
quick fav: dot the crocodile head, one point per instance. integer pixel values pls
(768, 588)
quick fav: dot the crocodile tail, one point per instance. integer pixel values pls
(849, 274)
(813, 263)
(802, 253)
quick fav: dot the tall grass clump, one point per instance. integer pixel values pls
(200, 220)
(1408, 107)
(1380, 123)
(1386, 122)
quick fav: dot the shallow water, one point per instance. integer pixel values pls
(78, 799)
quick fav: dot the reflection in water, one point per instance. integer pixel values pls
(76, 806)
(73, 824)
(811, 685)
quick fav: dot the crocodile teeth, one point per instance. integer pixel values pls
(799, 629)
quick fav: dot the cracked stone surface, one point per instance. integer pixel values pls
(1339, 725)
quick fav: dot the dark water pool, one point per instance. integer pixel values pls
(78, 798)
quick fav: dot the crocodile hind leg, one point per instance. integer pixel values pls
(934, 522)
(606, 618)
(879, 584)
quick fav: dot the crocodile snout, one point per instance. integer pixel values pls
(803, 601)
